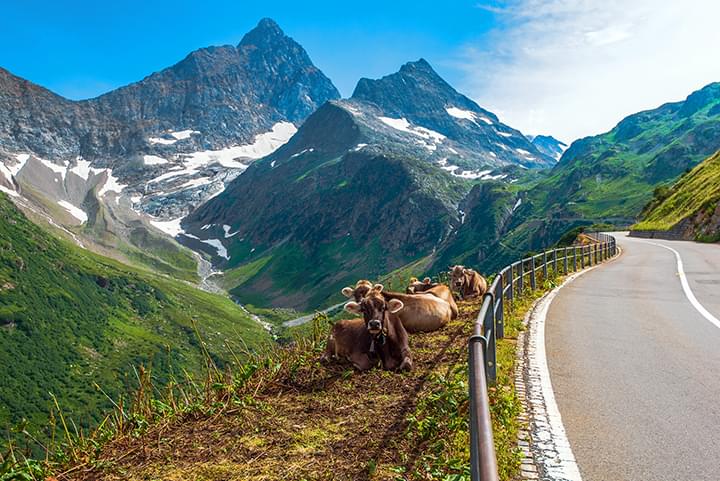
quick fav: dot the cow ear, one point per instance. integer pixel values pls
(394, 305)
(348, 291)
(378, 287)
(353, 307)
(426, 280)
(466, 271)
(413, 279)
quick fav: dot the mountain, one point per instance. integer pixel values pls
(613, 175)
(548, 145)
(71, 320)
(604, 179)
(365, 186)
(126, 165)
(690, 209)
(471, 135)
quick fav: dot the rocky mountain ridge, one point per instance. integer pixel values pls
(149, 153)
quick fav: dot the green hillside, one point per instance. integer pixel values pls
(612, 176)
(71, 319)
(697, 193)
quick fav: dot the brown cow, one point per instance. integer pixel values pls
(388, 337)
(422, 312)
(349, 339)
(417, 286)
(467, 282)
(438, 290)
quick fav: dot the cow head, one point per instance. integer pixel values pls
(375, 310)
(457, 277)
(362, 287)
(418, 286)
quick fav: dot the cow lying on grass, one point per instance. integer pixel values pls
(422, 312)
(416, 286)
(438, 290)
(467, 282)
(378, 336)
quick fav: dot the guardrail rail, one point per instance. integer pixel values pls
(512, 281)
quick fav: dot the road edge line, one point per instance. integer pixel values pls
(546, 429)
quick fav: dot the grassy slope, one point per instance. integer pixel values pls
(613, 175)
(699, 189)
(308, 420)
(70, 318)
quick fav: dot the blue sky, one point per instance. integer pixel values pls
(82, 48)
(564, 67)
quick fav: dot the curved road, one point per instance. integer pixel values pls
(635, 366)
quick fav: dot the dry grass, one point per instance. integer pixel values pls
(333, 424)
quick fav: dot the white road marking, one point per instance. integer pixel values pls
(686, 286)
(565, 466)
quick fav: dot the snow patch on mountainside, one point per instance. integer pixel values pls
(264, 144)
(111, 185)
(467, 115)
(221, 250)
(161, 141)
(460, 113)
(183, 134)
(170, 227)
(153, 160)
(58, 169)
(430, 137)
(82, 168)
(76, 212)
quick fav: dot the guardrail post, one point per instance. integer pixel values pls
(511, 283)
(500, 318)
(565, 260)
(554, 255)
(574, 258)
(533, 281)
(491, 338)
(545, 265)
(521, 275)
(582, 257)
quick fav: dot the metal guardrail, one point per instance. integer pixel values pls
(512, 281)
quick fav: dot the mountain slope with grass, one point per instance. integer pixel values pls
(291, 416)
(366, 186)
(691, 207)
(603, 180)
(613, 175)
(73, 323)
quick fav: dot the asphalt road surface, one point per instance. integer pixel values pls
(635, 366)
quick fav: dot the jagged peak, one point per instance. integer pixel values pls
(420, 65)
(266, 30)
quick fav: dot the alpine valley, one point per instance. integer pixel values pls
(240, 170)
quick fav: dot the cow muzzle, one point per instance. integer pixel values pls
(374, 326)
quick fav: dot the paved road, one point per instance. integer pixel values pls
(636, 368)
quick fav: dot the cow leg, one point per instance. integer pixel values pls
(361, 361)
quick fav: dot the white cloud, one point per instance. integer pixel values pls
(573, 68)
